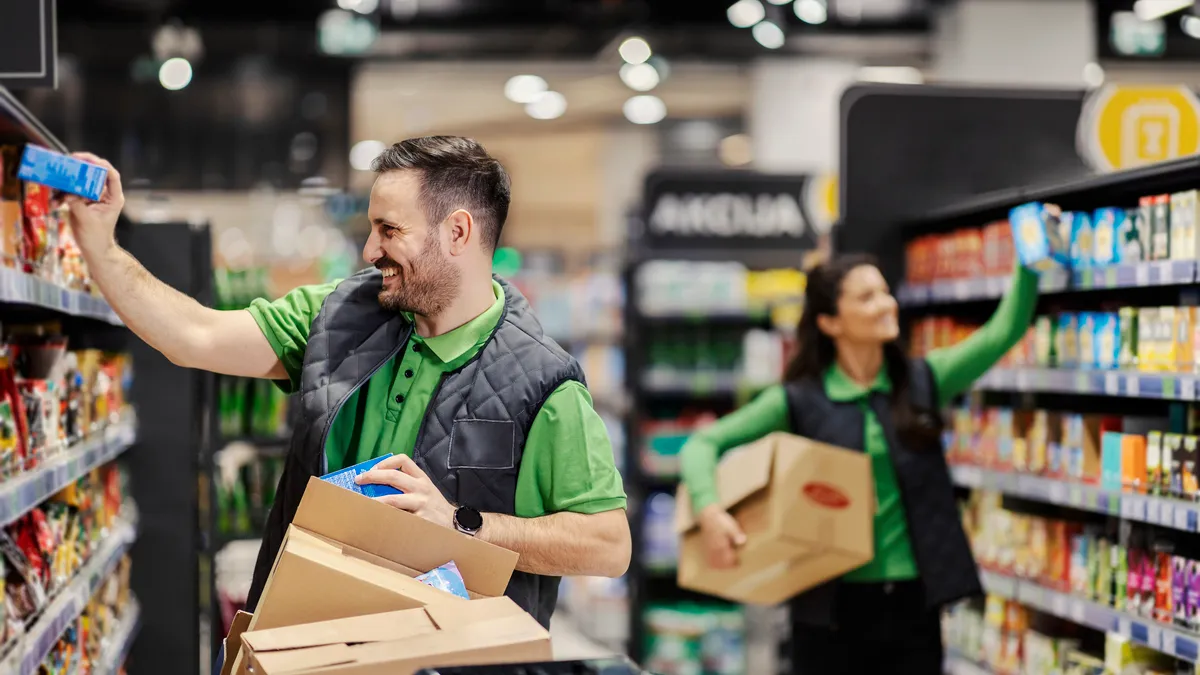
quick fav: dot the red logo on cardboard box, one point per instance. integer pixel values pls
(826, 495)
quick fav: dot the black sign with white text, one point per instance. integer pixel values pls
(725, 209)
(28, 44)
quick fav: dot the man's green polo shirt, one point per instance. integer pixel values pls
(568, 461)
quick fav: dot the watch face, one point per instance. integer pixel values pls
(468, 518)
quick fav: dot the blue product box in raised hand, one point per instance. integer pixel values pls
(60, 172)
(1037, 236)
(345, 478)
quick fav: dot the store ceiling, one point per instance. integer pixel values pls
(488, 29)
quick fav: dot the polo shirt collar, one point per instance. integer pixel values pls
(839, 387)
(467, 338)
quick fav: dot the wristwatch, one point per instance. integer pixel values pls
(468, 520)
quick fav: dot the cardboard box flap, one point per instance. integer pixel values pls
(374, 527)
(740, 474)
(298, 660)
(451, 615)
(460, 647)
(233, 641)
(368, 628)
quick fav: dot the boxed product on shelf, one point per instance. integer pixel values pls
(687, 638)
(828, 532)
(660, 543)
(84, 643)
(664, 438)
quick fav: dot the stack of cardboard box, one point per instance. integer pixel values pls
(342, 597)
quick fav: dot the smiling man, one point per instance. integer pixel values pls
(423, 355)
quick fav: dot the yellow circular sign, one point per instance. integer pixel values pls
(1124, 126)
(821, 200)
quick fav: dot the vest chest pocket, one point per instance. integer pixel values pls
(483, 457)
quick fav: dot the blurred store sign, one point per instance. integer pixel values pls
(726, 209)
(1126, 126)
(28, 44)
(821, 202)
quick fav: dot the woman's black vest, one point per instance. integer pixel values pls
(943, 555)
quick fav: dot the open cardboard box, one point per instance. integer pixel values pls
(346, 555)
(807, 509)
(479, 632)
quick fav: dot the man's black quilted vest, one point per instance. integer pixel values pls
(942, 552)
(473, 434)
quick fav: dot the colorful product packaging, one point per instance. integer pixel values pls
(1164, 588)
(1108, 340)
(1184, 242)
(1133, 234)
(1037, 236)
(1154, 446)
(61, 172)
(1179, 590)
(345, 478)
(1082, 244)
(1168, 347)
(1087, 340)
(1160, 227)
(1133, 462)
(1185, 351)
(1067, 335)
(1106, 224)
(1147, 348)
(1172, 445)
(1127, 316)
(1111, 448)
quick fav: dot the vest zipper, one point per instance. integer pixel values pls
(338, 408)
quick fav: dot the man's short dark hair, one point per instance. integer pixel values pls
(456, 173)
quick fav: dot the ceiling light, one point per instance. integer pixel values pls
(890, 74)
(634, 50)
(645, 109)
(746, 13)
(1191, 25)
(779, 2)
(365, 152)
(548, 106)
(1093, 74)
(768, 34)
(175, 73)
(1149, 10)
(811, 11)
(735, 150)
(640, 77)
(524, 88)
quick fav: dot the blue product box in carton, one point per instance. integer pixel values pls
(1106, 247)
(345, 478)
(1080, 236)
(1037, 236)
(58, 171)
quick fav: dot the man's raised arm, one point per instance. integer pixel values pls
(186, 332)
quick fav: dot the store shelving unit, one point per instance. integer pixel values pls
(92, 319)
(1150, 283)
(25, 655)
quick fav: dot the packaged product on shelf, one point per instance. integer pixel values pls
(1160, 227)
(1172, 444)
(1185, 245)
(1106, 224)
(1067, 335)
(1037, 237)
(1164, 587)
(1108, 340)
(1087, 339)
(1154, 461)
(1168, 356)
(1045, 337)
(1133, 235)
(1183, 469)
(660, 546)
(1127, 316)
(1133, 463)
(1184, 334)
(1082, 243)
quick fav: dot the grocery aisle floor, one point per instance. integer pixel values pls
(569, 643)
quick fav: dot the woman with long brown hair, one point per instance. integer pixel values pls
(851, 384)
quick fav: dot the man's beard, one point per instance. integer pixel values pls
(427, 287)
